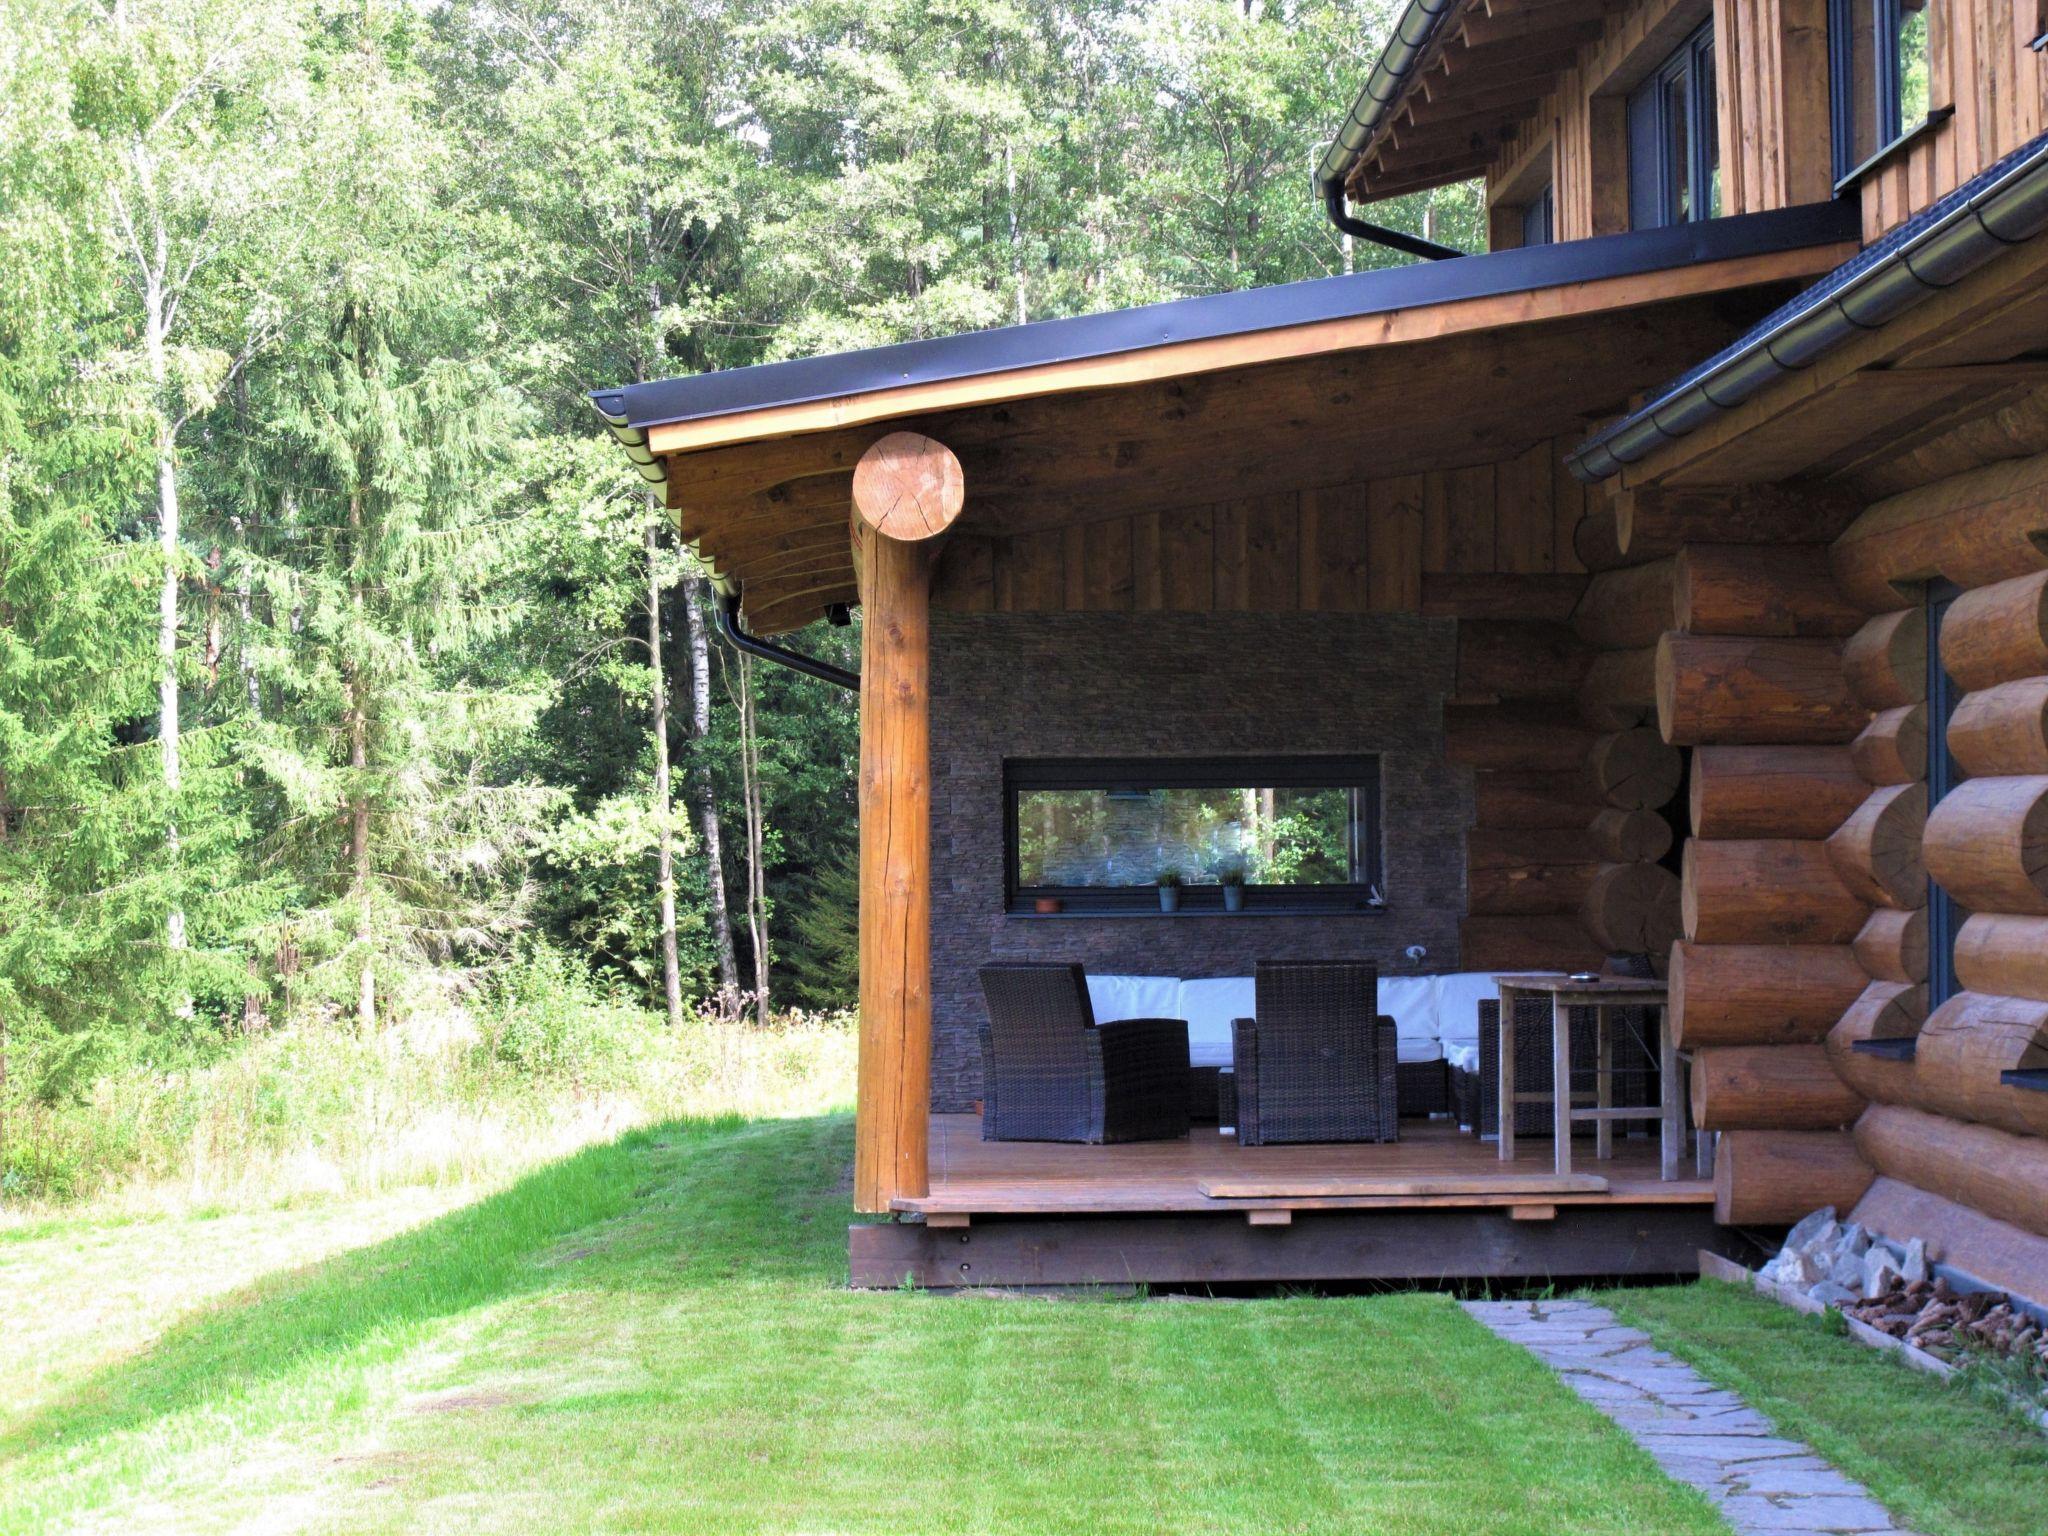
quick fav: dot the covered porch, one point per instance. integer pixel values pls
(1327, 524)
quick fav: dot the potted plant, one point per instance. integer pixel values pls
(1231, 878)
(1169, 889)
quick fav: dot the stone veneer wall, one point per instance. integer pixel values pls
(1164, 685)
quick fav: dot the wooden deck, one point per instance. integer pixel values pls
(1432, 1166)
(1434, 1208)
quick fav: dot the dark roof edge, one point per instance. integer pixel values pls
(628, 412)
(1411, 38)
(2004, 205)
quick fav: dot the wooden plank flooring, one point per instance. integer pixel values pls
(976, 1177)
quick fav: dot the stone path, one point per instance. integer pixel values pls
(1761, 1482)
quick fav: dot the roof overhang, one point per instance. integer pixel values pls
(1176, 405)
(1852, 321)
(1454, 82)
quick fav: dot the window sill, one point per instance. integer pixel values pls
(1903, 142)
(1250, 909)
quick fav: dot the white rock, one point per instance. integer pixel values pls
(1855, 1239)
(1847, 1270)
(1831, 1293)
(1812, 1229)
(1913, 1266)
(1803, 1270)
(1880, 1274)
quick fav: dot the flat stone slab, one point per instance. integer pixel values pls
(1762, 1483)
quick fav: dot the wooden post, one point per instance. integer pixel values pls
(907, 490)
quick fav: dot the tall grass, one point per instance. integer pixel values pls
(465, 1092)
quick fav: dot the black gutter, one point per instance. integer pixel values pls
(1379, 234)
(1413, 34)
(730, 627)
(2004, 205)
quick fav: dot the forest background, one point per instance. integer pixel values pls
(374, 787)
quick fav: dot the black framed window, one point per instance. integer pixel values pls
(1539, 218)
(1674, 142)
(1879, 83)
(1094, 835)
(1944, 916)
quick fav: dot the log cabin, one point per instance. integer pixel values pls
(1669, 579)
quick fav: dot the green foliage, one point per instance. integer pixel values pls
(298, 303)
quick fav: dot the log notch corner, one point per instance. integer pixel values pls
(907, 492)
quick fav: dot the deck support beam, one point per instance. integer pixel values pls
(907, 491)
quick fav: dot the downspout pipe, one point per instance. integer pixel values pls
(736, 635)
(1379, 234)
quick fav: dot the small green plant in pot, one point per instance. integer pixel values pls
(1231, 878)
(1169, 889)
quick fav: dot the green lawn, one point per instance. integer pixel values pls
(1943, 1460)
(652, 1335)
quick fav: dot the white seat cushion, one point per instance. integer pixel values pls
(1209, 1006)
(1411, 1002)
(1458, 996)
(1462, 1056)
(1406, 1051)
(1134, 997)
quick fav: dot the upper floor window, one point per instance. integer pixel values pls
(1539, 218)
(1674, 147)
(1878, 52)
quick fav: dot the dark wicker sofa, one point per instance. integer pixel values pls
(1318, 1062)
(1049, 1072)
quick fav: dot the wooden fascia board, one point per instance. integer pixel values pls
(1159, 364)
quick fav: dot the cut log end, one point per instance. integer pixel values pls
(908, 487)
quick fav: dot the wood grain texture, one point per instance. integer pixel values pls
(1782, 590)
(1631, 909)
(1760, 994)
(1876, 852)
(1987, 844)
(1892, 749)
(1773, 791)
(1886, 1010)
(1886, 660)
(894, 1080)
(1738, 691)
(1892, 944)
(1765, 891)
(1974, 528)
(909, 487)
(2003, 955)
(1770, 1087)
(1772, 1178)
(1634, 769)
(1964, 1046)
(1997, 633)
(1997, 1172)
(1627, 837)
(1624, 609)
(2002, 731)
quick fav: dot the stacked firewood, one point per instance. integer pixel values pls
(1932, 1315)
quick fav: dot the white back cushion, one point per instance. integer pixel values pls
(1209, 1006)
(1134, 997)
(1411, 1002)
(1458, 997)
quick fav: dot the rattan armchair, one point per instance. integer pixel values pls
(1049, 1072)
(1318, 1062)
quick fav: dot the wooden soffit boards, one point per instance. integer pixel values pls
(1860, 412)
(1461, 383)
(1484, 74)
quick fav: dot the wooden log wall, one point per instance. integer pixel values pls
(1748, 642)
(1942, 1120)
